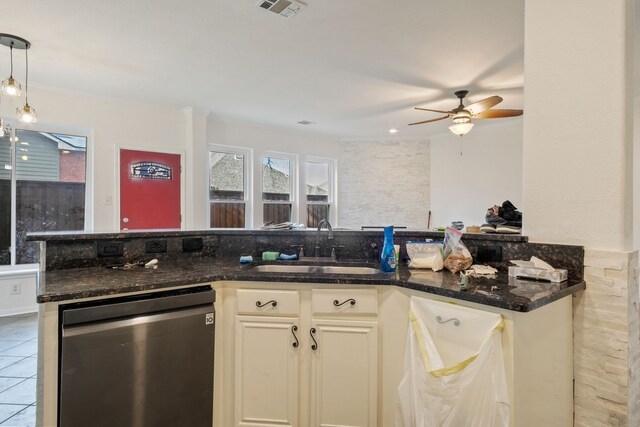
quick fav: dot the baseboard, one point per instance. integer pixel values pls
(19, 310)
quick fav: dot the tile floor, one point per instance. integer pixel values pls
(18, 368)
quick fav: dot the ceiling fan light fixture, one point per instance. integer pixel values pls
(461, 118)
(461, 129)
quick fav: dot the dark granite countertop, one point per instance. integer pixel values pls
(70, 236)
(502, 291)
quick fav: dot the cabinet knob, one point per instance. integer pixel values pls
(272, 302)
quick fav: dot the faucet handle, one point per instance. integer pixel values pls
(301, 247)
(333, 251)
(375, 251)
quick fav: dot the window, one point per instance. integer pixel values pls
(42, 188)
(318, 191)
(281, 188)
(228, 187)
(277, 189)
(5, 200)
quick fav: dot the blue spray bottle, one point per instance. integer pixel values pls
(388, 256)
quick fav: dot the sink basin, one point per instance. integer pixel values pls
(315, 269)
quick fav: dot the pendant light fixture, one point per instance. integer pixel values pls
(10, 87)
(26, 114)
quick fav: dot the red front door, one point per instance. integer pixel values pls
(149, 190)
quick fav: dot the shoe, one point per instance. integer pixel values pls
(507, 229)
(488, 228)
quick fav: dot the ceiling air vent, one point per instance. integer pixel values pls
(286, 8)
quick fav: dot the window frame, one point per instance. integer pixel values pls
(332, 199)
(89, 179)
(248, 184)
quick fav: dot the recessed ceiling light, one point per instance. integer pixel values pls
(393, 130)
(305, 122)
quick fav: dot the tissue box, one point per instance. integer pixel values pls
(557, 275)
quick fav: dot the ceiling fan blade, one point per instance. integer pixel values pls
(497, 114)
(435, 111)
(429, 121)
(485, 104)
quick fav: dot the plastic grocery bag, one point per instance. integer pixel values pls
(453, 371)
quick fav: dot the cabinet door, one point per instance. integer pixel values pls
(344, 369)
(266, 371)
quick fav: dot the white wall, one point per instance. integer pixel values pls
(22, 302)
(262, 138)
(384, 183)
(488, 172)
(577, 123)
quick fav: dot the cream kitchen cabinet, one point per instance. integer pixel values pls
(344, 362)
(267, 362)
(306, 357)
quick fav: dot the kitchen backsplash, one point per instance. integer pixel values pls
(80, 250)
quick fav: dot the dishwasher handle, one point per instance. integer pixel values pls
(115, 324)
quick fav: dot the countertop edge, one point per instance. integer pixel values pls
(243, 276)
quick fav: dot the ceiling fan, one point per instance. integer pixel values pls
(461, 115)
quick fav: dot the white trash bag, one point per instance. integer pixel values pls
(454, 368)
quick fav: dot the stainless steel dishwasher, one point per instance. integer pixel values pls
(142, 361)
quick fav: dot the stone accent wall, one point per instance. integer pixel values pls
(606, 341)
(384, 183)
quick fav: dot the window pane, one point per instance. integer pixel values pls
(317, 182)
(316, 213)
(276, 213)
(226, 215)
(317, 191)
(226, 176)
(50, 186)
(276, 179)
(5, 200)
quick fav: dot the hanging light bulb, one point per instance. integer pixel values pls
(27, 114)
(9, 85)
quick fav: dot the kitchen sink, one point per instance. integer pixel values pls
(315, 269)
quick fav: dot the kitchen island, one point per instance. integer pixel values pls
(537, 339)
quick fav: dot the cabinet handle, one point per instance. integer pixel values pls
(314, 346)
(294, 328)
(351, 301)
(272, 302)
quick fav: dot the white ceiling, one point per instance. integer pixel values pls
(354, 67)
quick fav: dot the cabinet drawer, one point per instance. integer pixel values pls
(268, 302)
(344, 301)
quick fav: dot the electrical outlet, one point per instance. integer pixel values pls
(192, 244)
(15, 289)
(489, 254)
(155, 246)
(106, 249)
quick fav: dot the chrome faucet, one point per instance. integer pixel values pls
(320, 225)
